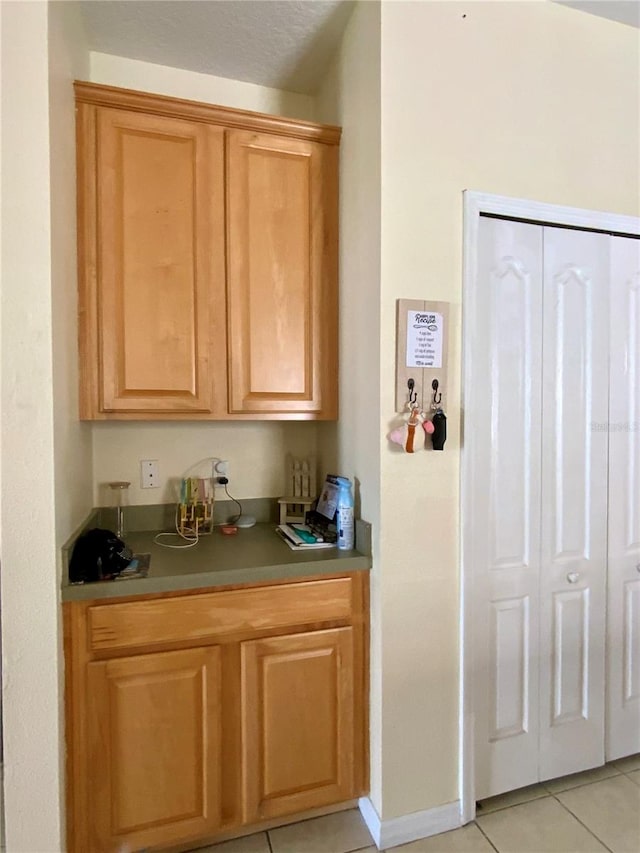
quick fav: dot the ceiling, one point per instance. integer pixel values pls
(286, 44)
(623, 11)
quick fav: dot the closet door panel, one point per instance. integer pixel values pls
(623, 686)
(574, 500)
(505, 449)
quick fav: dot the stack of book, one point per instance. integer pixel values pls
(299, 537)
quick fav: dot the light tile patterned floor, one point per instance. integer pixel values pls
(590, 812)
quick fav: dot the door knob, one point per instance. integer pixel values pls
(573, 577)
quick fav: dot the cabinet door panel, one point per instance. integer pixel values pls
(282, 275)
(297, 722)
(154, 747)
(160, 207)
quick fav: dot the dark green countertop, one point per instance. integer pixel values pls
(253, 555)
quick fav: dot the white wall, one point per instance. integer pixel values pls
(162, 80)
(350, 97)
(68, 60)
(532, 100)
(46, 453)
(33, 785)
(73, 454)
(256, 451)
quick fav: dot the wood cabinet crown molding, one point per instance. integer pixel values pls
(164, 105)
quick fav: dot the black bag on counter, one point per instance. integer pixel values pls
(98, 555)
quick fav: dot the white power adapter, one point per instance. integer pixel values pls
(222, 468)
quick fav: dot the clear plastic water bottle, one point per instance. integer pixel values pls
(344, 515)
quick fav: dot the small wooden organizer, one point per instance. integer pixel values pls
(195, 510)
(301, 483)
(294, 509)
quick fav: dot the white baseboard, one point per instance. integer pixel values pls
(410, 827)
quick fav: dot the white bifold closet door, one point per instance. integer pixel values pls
(505, 443)
(540, 342)
(573, 576)
(623, 657)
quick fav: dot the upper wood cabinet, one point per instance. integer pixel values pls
(207, 261)
(282, 256)
(160, 207)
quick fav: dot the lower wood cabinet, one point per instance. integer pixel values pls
(297, 722)
(154, 747)
(175, 738)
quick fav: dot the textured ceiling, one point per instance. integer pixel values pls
(286, 44)
(623, 11)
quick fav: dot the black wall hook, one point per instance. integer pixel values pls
(437, 398)
(413, 395)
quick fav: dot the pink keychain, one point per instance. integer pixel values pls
(405, 435)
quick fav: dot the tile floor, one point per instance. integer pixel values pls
(586, 813)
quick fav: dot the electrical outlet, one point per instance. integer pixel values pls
(149, 474)
(222, 468)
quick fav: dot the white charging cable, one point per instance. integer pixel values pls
(192, 537)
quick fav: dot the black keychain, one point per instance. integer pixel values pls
(439, 434)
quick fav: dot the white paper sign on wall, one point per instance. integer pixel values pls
(422, 333)
(424, 339)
